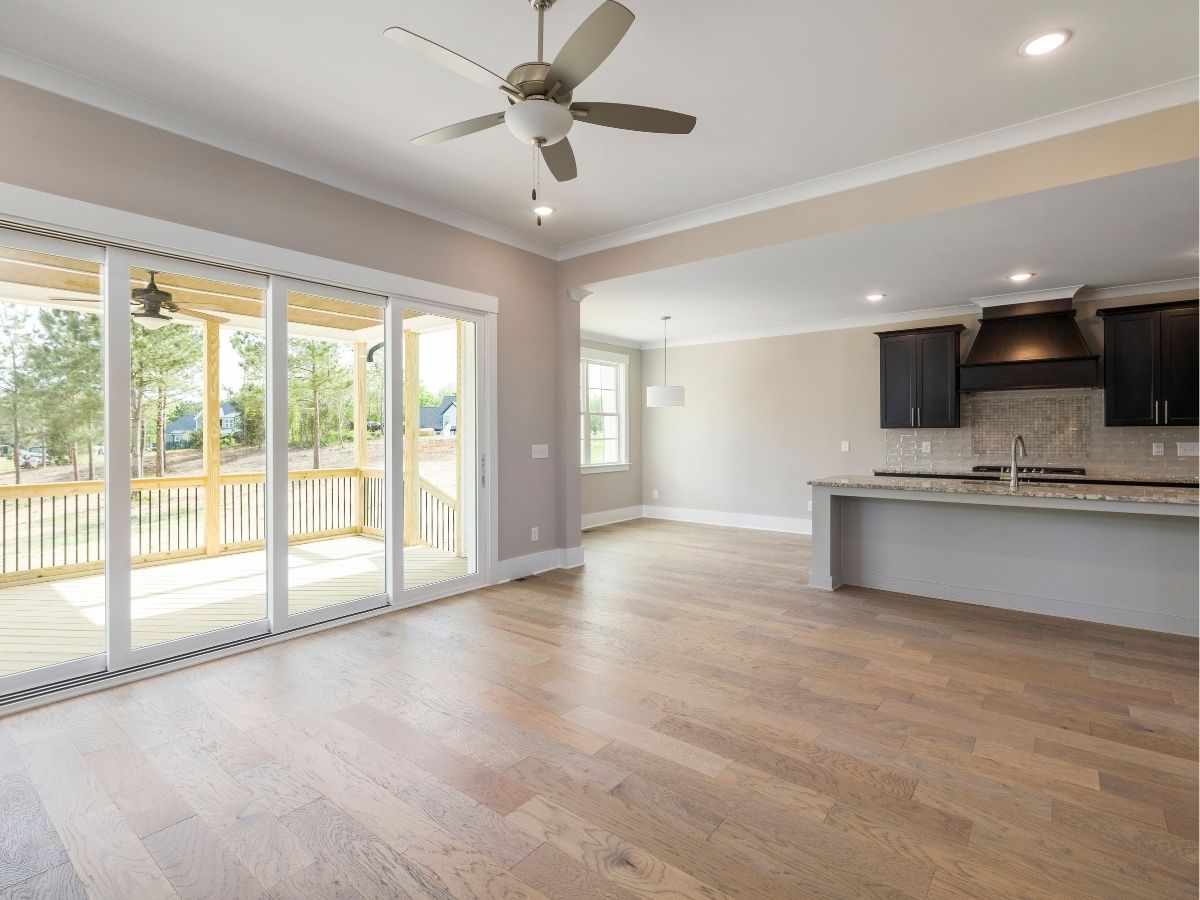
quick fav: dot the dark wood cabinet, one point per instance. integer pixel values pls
(918, 377)
(1151, 364)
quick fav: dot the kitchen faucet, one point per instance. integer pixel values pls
(1018, 441)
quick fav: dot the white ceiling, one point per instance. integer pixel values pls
(1126, 229)
(785, 90)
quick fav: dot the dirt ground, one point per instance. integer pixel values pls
(437, 462)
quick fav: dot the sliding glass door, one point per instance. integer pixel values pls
(194, 455)
(336, 461)
(189, 570)
(52, 461)
(441, 449)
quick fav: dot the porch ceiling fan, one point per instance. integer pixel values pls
(541, 111)
(151, 304)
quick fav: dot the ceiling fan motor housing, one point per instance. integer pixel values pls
(539, 121)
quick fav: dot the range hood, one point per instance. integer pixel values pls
(1024, 346)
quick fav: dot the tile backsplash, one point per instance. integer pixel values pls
(1061, 428)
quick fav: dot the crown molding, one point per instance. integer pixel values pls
(597, 338)
(1121, 291)
(60, 81)
(940, 312)
(1082, 118)
(1038, 296)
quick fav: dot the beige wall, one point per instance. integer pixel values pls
(602, 491)
(67, 148)
(765, 416)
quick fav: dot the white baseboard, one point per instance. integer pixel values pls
(610, 517)
(784, 524)
(1047, 606)
(536, 563)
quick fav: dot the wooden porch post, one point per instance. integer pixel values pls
(459, 424)
(211, 434)
(412, 430)
(360, 433)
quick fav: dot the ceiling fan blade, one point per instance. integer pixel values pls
(634, 118)
(560, 160)
(461, 129)
(589, 46)
(449, 59)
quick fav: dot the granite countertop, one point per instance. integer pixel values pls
(1092, 475)
(1068, 491)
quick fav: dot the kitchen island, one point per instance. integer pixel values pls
(1121, 555)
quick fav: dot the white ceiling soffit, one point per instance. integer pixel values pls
(1137, 228)
(857, 91)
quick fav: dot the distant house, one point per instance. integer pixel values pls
(184, 431)
(443, 418)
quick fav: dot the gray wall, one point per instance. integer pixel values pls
(602, 491)
(765, 416)
(64, 147)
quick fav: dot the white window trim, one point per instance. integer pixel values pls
(590, 354)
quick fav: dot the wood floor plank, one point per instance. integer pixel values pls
(29, 845)
(60, 883)
(198, 865)
(375, 869)
(144, 798)
(465, 872)
(557, 875)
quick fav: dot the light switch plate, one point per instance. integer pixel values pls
(1157, 448)
(845, 446)
(533, 535)
(541, 451)
(1187, 448)
(926, 446)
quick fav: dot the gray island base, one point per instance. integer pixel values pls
(1116, 555)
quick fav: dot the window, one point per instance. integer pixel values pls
(603, 436)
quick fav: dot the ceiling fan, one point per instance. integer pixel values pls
(541, 111)
(151, 305)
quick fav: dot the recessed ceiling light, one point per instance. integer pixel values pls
(1041, 44)
(1020, 276)
(543, 210)
(875, 298)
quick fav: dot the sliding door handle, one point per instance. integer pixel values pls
(912, 422)
(918, 417)
(1166, 413)
(1155, 412)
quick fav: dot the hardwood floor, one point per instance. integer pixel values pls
(679, 718)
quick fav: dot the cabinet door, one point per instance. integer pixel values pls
(1130, 368)
(897, 381)
(1179, 359)
(937, 379)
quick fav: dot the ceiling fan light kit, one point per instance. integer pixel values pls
(541, 111)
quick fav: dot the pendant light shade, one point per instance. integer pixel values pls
(664, 394)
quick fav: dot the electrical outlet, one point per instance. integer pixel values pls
(654, 494)
(541, 451)
(926, 446)
(845, 446)
(1187, 448)
(810, 506)
(1157, 448)
(533, 534)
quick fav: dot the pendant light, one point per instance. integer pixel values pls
(664, 394)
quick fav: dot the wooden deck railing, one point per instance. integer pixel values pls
(56, 529)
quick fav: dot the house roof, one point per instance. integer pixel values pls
(191, 422)
(431, 416)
